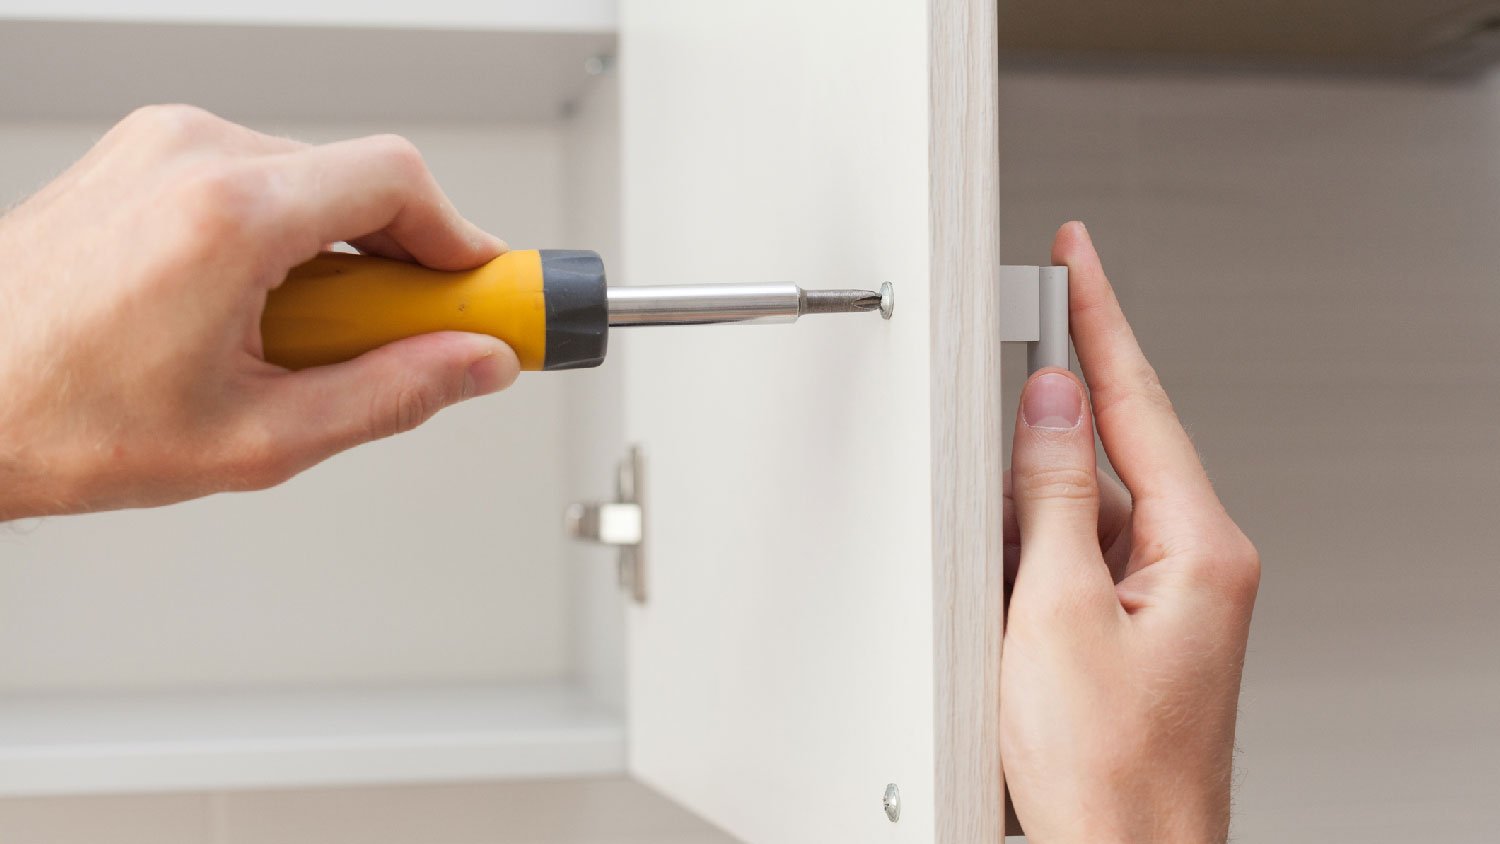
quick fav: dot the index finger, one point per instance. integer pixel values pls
(377, 190)
(1141, 433)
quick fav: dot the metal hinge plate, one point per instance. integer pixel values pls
(620, 524)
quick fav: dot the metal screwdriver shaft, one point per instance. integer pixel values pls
(839, 301)
(552, 306)
(706, 304)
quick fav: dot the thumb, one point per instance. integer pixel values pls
(392, 389)
(1056, 492)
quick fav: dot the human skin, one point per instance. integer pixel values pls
(131, 292)
(1127, 622)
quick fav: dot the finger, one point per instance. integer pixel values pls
(392, 389)
(1055, 488)
(1011, 533)
(1114, 525)
(1115, 511)
(352, 189)
(381, 244)
(1140, 431)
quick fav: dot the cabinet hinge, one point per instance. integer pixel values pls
(620, 523)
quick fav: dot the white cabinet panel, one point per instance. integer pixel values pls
(803, 623)
(212, 740)
(518, 15)
(276, 70)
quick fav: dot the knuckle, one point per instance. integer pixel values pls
(1228, 565)
(1151, 390)
(410, 406)
(169, 121)
(1151, 396)
(219, 199)
(1058, 483)
(1072, 607)
(255, 459)
(1244, 563)
(1140, 386)
(223, 186)
(400, 153)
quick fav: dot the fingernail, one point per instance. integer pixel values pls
(483, 377)
(1052, 402)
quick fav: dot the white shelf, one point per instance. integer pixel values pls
(74, 744)
(541, 15)
(100, 70)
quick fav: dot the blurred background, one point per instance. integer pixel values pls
(1298, 204)
(1309, 264)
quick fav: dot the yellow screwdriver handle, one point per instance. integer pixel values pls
(339, 306)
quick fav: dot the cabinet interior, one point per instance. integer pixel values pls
(408, 611)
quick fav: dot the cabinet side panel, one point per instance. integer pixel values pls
(591, 220)
(780, 672)
(967, 468)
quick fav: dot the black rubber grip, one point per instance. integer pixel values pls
(577, 308)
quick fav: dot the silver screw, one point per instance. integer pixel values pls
(887, 300)
(892, 802)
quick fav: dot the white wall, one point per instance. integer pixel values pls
(1312, 267)
(435, 555)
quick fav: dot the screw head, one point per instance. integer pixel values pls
(892, 802)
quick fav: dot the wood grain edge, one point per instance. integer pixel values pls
(967, 466)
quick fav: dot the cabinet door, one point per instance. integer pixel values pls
(823, 500)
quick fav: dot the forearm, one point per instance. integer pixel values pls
(1164, 812)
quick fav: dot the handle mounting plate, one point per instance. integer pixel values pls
(620, 523)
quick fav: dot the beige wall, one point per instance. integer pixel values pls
(1312, 266)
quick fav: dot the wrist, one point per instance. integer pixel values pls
(1114, 835)
(14, 485)
(1163, 819)
(24, 487)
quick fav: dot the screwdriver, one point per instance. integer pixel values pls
(552, 306)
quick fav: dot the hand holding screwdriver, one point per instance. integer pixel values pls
(156, 294)
(130, 311)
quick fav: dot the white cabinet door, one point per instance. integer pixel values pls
(823, 499)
